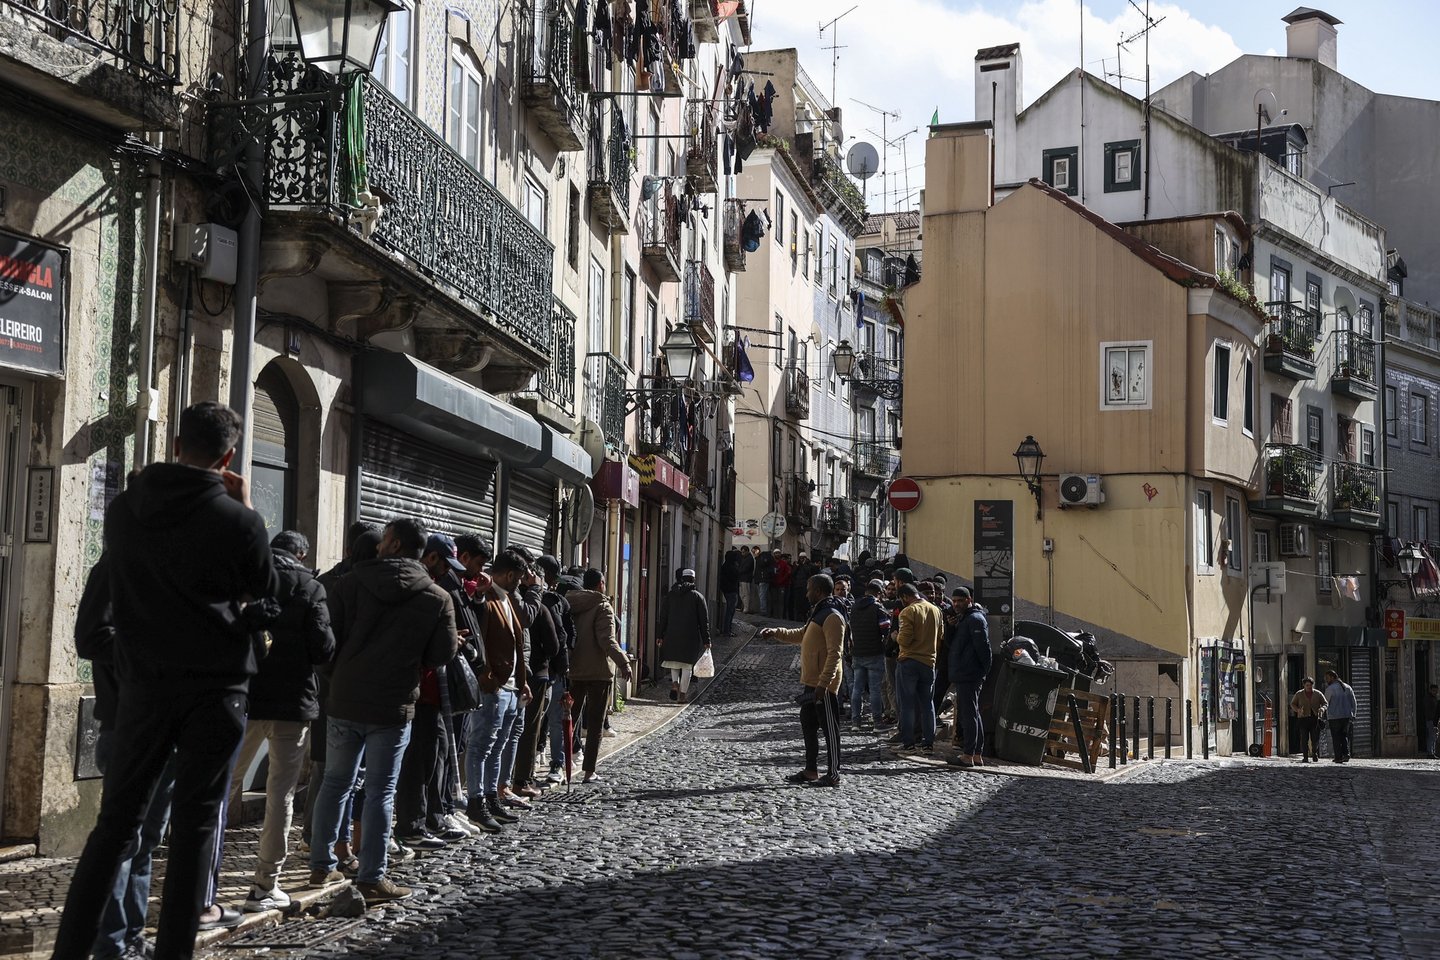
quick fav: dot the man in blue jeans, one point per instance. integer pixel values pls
(1340, 709)
(919, 638)
(391, 621)
(503, 692)
(970, 656)
(869, 627)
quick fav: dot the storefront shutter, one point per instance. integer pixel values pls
(1362, 680)
(403, 476)
(531, 506)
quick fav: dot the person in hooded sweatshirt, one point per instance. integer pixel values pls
(187, 553)
(597, 658)
(391, 621)
(683, 632)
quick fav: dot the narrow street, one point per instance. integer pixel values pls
(696, 847)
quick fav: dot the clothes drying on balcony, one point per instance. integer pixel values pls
(744, 370)
(753, 231)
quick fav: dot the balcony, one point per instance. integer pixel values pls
(659, 223)
(1291, 480)
(704, 17)
(661, 426)
(556, 382)
(609, 174)
(799, 501)
(837, 516)
(840, 195)
(797, 394)
(876, 459)
(547, 79)
(605, 398)
(701, 147)
(734, 226)
(1354, 366)
(876, 377)
(700, 301)
(1290, 340)
(1357, 495)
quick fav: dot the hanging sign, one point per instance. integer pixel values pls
(32, 305)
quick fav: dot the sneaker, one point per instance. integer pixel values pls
(907, 751)
(383, 890)
(895, 738)
(829, 780)
(226, 920)
(138, 949)
(960, 760)
(324, 878)
(517, 802)
(478, 813)
(529, 790)
(556, 775)
(261, 900)
(398, 851)
(422, 841)
(498, 811)
(927, 750)
(455, 821)
(453, 834)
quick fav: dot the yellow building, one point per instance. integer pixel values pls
(1136, 372)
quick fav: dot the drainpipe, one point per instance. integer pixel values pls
(146, 399)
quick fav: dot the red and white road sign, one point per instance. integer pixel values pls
(904, 494)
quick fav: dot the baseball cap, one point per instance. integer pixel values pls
(904, 575)
(442, 544)
(687, 574)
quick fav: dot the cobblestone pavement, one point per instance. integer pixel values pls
(694, 846)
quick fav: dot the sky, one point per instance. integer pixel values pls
(912, 57)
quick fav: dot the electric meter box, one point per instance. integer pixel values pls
(208, 247)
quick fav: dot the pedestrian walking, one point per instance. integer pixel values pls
(1340, 707)
(729, 582)
(821, 639)
(760, 583)
(798, 585)
(869, 626)
(746, 570)
(391, 621)
(284, 700)
(683, 632)
(970, 658)
(187, 553)
(598, 657)
(503, 689)
(919, 639)
(1308, 709)
(1431, 717)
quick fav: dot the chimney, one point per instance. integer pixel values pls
(1310, 35)
(997, 99)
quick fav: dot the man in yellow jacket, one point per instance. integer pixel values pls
(920, 626)
(820, 639)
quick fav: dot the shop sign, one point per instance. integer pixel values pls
(1394, 626)
(32, 305)
(1422, 628)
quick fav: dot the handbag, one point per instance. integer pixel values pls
(461, 684)
(705, 666)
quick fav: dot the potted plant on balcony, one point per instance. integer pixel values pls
(1290, 477)
(1356, 496)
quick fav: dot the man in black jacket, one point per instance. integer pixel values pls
(390, 622)
(549, 658)
(747, 577)
(283, 701)
(682, 632)
(559, 607)
(187, 552)
(970, 657)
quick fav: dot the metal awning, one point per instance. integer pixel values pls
(560, 457)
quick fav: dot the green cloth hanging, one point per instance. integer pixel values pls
(356, 171)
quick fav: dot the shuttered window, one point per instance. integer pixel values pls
(404, 476)
(275, 428)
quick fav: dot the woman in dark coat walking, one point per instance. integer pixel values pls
(684, 632)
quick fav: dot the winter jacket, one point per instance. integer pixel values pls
(390, 621)
(684, 624)
(285, 688)
(821, 638)
(559, 609)
(95, 640)
(597, 650)
(869, 627)
(545, 642)
(1340, 701)
(970, 653)
(745, 566)
(919, 635)
(503, 629)
(764, 568)
(780, 574)
(729, 580)
(184, 559)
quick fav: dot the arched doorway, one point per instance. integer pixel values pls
(275, 462)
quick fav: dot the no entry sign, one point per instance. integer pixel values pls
(904, 494)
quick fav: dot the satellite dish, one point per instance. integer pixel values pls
(1264, 105)
(580, 515)
(863, 161)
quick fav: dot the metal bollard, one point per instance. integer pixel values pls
(1120, 723)
(1080, 735)
(1111, 724)
(1205, 729)
(1168, 706)
(1150, 725)
(1189, 729)
(1135, 732)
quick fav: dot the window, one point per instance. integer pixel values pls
(779, 351)
(1367, 447)
(572, 229)
(780, 218)
(794, 243)
(1392, 412)
(1248, 424)
(1365, 322)
(1060, 169)
(1392, 518)
(834, 267)
(627, 319)
(1125, 375)
(1282, 428)
(1235, 533)
(652, 332)
(819, 257)
(462, 129)
(1261, 541)
(394, 61)
(1204, 533)
(1279, 281)
(1324, 568)
(533, 203)
(867, 423)
(1419, 419)
(1347, 442)
(1122, 166)
(1312, 293)
(1315, 430)
(806, 271)
(599, 343)
(1220, 387)
(1420, 524)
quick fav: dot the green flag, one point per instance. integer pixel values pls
(935, 118)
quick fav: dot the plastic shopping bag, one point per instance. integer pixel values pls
(705, 666)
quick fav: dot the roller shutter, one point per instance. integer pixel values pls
(1362, 681)
(531, 506)
(401, 475)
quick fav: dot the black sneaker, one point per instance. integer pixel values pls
(423, 841)
(477, 811)
(829, 780)
(498, 811)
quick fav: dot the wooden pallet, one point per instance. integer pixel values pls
(1094, 724)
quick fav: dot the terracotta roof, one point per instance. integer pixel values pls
(1229, 216)
(904, 220)
(997, 53)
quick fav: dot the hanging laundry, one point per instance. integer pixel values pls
(727, 8)
(857, 296)
(727, 151)
(752, 232)
(580, 42)
(744, 372)
(1348, 587)
(745, 142)
(912, 270)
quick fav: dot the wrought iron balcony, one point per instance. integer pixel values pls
(662, 426)
(701, 150)
(837, 515)
(704, 17)
(143, 38)
(877, 377)
(799, 500)
(1291, 480)
(1354, 366)
(605, 399)
(1357, 494)
(797, 393)
(659, 223)
(734, 225)
(876, 458)
(556, 381)
(547, 80)
(609, 169)
(1290, 340)
(700, 300)
(840, 195)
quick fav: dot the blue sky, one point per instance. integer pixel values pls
(912, 56)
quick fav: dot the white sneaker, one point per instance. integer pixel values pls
(457, 822)
(261, 900)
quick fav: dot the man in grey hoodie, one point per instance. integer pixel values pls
(1340, 710)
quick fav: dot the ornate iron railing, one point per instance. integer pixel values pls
(548, 80)
(143, 36)
(840, 195)
(1355, 356)
(556, 382)
(661, 424)
(1292, 472)
(876, 458)
(734, 224)
(797, 393)
(605, 400)
(799, 500)
(700, 300)
(659, 221)
(702, 152)
(610, 157)
(1356, 487)
(1291, 329)
(837, 515)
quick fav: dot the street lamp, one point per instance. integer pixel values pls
(1411, 560)
(1029, 457)
(844, 358)
(681, 351)
(848, 363)
(340, 36)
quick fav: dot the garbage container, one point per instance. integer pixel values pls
(1025, 697)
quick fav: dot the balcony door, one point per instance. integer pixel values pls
(463, 111)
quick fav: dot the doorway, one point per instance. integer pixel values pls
(10, 536)
(1267, 695)
(1294, 680)
(1422, 695)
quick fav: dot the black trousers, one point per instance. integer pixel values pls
(204, 729)
(823, 713)
(591, 698)
(1309, 736)
(535, 726)
(422, 771)
(1340, 737)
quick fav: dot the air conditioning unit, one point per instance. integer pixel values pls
(1080, 490)
(1294, 540)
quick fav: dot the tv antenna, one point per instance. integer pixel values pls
(885, 116)
(835, 47)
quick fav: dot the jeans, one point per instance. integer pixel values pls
(511, 744)
(760, 592)
(727, 621)
(869, 675)
(556, 718)
(914, 688)
(288, 750)
(1340, 737)
(892, 707)
(382, 747)
(967, 717)
(490, 726)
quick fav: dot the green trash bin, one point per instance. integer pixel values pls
(1025, 700)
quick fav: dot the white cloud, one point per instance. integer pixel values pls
(912, 56)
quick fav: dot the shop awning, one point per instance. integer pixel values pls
(660, 479)
(415, 397)
(562, 458)
(616, 480)
(1332, 635)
